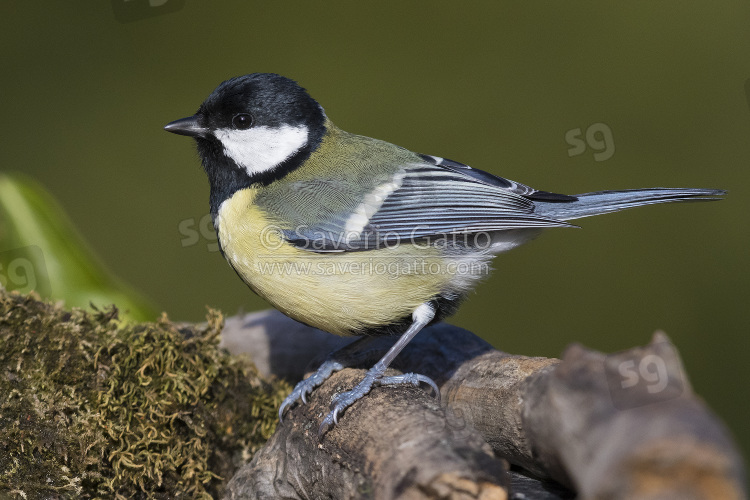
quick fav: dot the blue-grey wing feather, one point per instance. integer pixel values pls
(441, 196)
(432, 200)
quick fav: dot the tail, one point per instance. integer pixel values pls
(603, 202)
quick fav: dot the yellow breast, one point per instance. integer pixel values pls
(341, 293)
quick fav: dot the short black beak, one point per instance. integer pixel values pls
(187, 126)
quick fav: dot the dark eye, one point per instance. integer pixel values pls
(242, 121)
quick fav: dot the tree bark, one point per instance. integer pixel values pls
(618, 426)
(385, 447)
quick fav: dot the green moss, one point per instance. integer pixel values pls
(91, 407)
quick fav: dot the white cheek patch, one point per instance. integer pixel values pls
(261, 149)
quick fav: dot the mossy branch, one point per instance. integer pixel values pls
(92, 407)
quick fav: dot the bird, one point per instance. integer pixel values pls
(357, 236)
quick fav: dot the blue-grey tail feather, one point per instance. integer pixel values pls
(602, 202)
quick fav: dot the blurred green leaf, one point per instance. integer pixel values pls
(41, 250)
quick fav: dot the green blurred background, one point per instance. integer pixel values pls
(498, 86)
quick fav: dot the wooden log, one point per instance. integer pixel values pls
(629, 426)
(381, 450)
(618, 426)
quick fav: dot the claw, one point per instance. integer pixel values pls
(413, 379)
(432, 384)
(373, 378)
(305, 387)
(324, 425)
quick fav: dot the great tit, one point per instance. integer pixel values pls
(357, 236)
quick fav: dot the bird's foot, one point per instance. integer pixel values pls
(305, 387)
(373, 377)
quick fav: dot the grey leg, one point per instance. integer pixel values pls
(374, 376)
(335, 361)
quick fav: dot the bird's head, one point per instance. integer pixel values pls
(254, 128)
